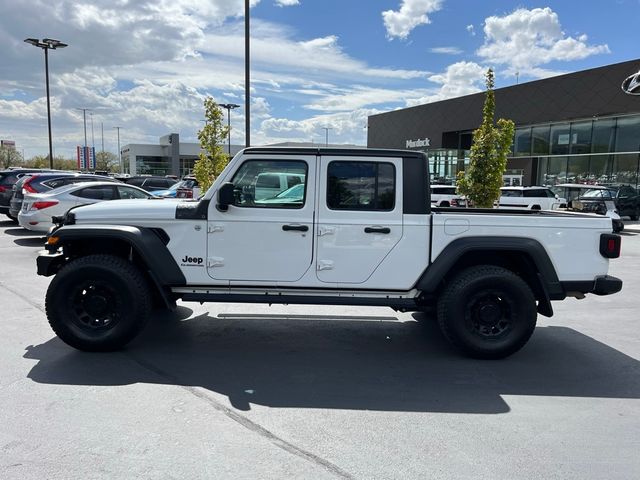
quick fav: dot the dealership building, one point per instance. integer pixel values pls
(576, 128)
(168, 157)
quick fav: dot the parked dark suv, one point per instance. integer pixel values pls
(624, 197)
(150, 183)
(41, 182)
(8, 178)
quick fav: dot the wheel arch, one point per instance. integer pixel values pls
(144, 247)
(524, 256)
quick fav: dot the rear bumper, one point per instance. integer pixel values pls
(601, 285)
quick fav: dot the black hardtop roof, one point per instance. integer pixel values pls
(361, 152)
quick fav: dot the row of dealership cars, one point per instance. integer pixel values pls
(614, 201)
(32, 197)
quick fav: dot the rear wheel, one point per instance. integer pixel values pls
(487, 312)
(98, 303)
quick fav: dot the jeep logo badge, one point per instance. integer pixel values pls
(631, 84)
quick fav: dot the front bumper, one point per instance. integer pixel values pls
(601, 285)
(49, 263)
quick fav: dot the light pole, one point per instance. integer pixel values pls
(84, 150)
(84, 119)
(229, 107)
(119, 155)
(46, 44)
(93, 138)
(326, 132)
(247, 84)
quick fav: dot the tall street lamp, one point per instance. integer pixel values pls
(247, 80)
(46, 44)
(229, 107)
(326, 133)
(119, 154)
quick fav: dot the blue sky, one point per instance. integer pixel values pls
(147, 65)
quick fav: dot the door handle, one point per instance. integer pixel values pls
(377, 230)
(298, 228)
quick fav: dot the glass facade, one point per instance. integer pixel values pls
(597, 151)
(146, 165)
(604, 151)
(445, 164)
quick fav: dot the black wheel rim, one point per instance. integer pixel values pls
(95, 306)
(489, 315)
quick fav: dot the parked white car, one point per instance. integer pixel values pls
(446, 196)
(532, 198)
(38, 209)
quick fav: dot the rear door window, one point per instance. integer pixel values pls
(98, 192)
(511, 193)
(126, 192)
(361, 186)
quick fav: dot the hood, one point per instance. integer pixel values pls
(126, 211)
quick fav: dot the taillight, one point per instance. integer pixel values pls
(41, 205)
(610, 245)
(27, 187)
(454, 202)
(4, 188)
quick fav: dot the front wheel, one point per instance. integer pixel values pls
(98, 303)
(487, 312)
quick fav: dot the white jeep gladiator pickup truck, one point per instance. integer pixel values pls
(358, 229)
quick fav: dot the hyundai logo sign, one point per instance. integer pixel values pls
(631, 84)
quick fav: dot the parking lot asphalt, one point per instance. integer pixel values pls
(252, 391)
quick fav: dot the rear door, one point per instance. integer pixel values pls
(359, 216)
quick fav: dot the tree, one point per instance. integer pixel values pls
(482, 179)
(212, 138)
(107, 161)
(9, 157)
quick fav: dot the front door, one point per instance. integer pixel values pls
(267, 234)
(360, 216)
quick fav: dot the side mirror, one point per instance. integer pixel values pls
(225, 196)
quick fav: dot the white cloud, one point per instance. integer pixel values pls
(321, 56)
(461, 78)
(446, 50)
(287, 3)
(471, 29)
(358, 97)
(346, 127)
(411, 14)
(526, 39)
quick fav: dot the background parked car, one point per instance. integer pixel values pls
(623, 198)
(8, 178)
(43, 182)
(188, 187)
(150, 183)
(39, 208)
(532, 198)
(446, 196)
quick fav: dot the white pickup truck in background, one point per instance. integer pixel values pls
(360, 231)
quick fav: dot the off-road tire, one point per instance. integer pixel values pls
(98, 303)
(487, 312)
